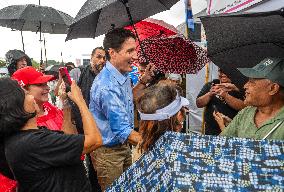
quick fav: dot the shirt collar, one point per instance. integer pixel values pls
(278, 116)
(121, 78)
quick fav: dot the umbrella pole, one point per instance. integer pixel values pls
(23, 41)
(44, 50)
(41, 61)
(125, 3)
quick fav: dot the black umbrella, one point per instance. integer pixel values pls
(31, 17)
(243, 40)
(97, 17)
(53, 70)
(35, 18)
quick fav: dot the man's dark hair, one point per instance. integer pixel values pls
(94, 50)
(143, 64)
(12, 113)
(70, 66)
(115, 38)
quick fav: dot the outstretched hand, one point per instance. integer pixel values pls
(75, 94)
(219, 119)
(149, 73)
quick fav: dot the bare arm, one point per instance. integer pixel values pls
(146, 78)
(223, 89)
(68, 127)
(233, 102)
(93, 138)
(134, 138)
(203, 100)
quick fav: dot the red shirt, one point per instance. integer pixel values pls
(53, 120)
(7, 185)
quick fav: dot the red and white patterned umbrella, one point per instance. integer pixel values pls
(153, 28)
(174, 54)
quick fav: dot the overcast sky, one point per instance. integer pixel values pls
(72, 49)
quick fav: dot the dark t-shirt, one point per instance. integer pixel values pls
(45, 160)
(211, 126)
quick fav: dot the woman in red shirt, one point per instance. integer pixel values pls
(35, 83)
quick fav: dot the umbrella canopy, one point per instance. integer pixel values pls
(153, 28)
(29, 18)
(181, 162)
(174, 55)
(54, 68)
(97, 17)
(243, 40)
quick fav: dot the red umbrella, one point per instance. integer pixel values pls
(174, 54)
(153, 28)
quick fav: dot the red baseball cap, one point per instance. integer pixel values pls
(30, 76)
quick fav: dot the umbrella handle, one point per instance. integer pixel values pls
(125, 3)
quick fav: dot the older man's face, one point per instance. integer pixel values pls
(257, 92)
(98, 60)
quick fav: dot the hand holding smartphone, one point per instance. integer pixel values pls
(66, 78)
(215, 108)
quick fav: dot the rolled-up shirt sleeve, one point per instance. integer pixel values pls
(114, 109)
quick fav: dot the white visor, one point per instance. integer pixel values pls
(168, 111)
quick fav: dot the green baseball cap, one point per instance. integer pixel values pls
(269, 68)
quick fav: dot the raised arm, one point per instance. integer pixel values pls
(93, 138)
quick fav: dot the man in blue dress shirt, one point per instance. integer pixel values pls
(111, 104)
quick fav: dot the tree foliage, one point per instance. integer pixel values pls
(35, 64)
(2, 63)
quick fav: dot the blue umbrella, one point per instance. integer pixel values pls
(182, 162)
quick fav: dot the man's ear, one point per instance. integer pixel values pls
(112, 53)
(274, 89)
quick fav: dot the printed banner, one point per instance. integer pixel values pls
(228, 6)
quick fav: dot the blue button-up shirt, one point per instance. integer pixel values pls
(111, 104)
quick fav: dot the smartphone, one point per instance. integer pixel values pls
(66, 78)
(215, 108)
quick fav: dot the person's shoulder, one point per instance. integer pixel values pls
(103, 79)
(246, 111)
(27, 137)
(75, 70)
(43, 135)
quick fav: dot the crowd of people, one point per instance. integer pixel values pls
(85, 144)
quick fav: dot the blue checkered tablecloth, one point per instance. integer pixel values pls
(187, 162)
